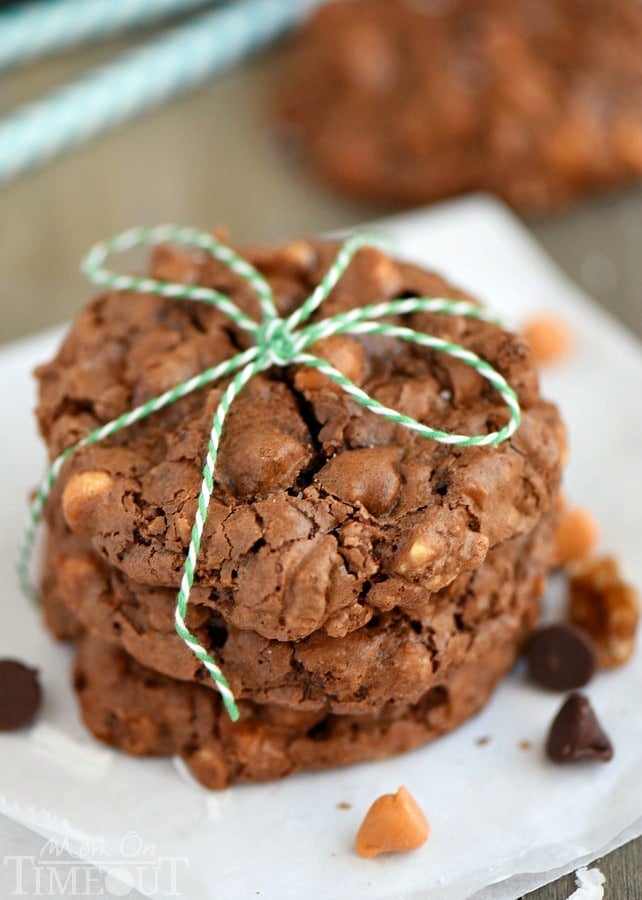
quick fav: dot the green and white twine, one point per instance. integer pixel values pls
(278, 342)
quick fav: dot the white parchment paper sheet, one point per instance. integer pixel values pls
(497, 811)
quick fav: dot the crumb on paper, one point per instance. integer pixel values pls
(482, 741)
(589, 885)
(525, 745)
(344, 805)
(394, 823)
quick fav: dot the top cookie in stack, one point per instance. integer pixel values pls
(349, 567)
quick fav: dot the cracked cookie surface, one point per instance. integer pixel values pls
(145, 713)
(401, 653)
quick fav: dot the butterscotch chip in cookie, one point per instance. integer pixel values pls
(82, 498)
(548, 337)
(577, 535)
(394, 823)
(603, 605)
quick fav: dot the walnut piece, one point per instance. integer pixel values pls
(606, 608)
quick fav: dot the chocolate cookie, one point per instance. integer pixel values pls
(322, 511)
(408, 101)
(399, 655)
(144, 713)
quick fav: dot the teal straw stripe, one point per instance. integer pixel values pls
(49, 26)
(140, 80)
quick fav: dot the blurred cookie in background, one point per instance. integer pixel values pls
(408, 101)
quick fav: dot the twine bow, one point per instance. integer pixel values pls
(277, 342)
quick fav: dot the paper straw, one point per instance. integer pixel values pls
(47, 26)
(140, 80)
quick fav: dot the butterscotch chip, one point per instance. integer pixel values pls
(549, 339)
(606, 608)
(394, 824)
(577, 535)
(82, 496)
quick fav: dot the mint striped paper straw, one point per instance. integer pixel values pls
(140, 80)
(47, 26)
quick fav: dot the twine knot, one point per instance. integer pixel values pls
(276, 342)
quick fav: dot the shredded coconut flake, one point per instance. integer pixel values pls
(589, 885)
(183, 770)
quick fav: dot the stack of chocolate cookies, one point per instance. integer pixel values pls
(363, 588)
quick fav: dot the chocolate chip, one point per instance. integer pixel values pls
(577, 734)
(19, 694)
(561, 658)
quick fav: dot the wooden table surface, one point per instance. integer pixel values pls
(209, 159)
